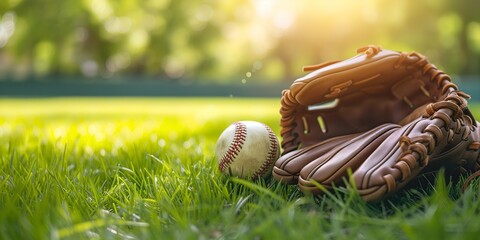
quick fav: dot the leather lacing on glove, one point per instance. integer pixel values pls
(423, 145)
(457, 104)
(432, 133)
(447, 109)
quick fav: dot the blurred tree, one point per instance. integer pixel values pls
(212, 40)
(468, 11)
(106, 37)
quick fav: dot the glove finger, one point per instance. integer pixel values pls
(439, 139)
(380, 171)
(332, 167)
(288, 166)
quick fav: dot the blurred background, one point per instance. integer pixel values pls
(214, 47)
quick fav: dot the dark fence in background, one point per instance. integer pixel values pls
(163, 89)
(137, 88)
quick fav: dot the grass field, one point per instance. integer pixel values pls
(140, 168)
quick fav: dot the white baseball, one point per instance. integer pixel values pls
(247, 149)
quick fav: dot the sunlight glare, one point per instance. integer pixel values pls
(282, 14)
(59, 132)
(92, 129)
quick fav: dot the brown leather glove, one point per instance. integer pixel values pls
(387, 116)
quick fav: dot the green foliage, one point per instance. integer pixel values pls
(144, 168)
(208, 40)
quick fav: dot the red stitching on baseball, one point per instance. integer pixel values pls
(271, 156)
(235, 147)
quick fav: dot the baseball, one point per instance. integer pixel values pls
(247, 149)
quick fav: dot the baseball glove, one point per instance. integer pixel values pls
(387, 116)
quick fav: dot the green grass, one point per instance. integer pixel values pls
(136, 168)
